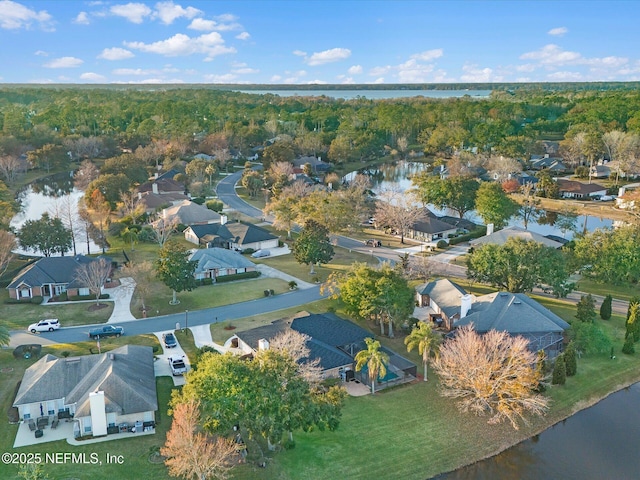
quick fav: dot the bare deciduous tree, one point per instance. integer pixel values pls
(93, 275)
(501, 167)
(143, 274)
(192, 453)
(491, 374)
(86, 174)
(294, 344)
(65, 209)
(130, 205)
(7, 245)
(163, 229)
(420, 268)
(10, 167)
(398, 211)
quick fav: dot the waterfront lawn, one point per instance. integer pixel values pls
(18, 316)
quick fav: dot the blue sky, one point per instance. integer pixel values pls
(314, 41)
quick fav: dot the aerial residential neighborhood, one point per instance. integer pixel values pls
(244, 241)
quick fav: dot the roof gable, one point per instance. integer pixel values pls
(501, 236)
(59, 270)
(212, 258)
(248, 233)
(445, 293)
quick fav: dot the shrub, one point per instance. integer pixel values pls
(63, 297)
(570, 360)
(266, 293)
(146, 235)
(65, 354)
(605, 308)
(477, 233)
(442, 244)
(36, 300)
(215, 205)
(289, 444)
(198, 200)
(116, 229)
(582, 172)
(559, 371)
(206, 281)
(292, 284)
(156, 348)
(248, 251)
(628, 347)
(237, 276)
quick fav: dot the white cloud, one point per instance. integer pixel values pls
(243, 36)
(527, 67)
(328, 56)
(379, 80)
(565, 76)
(209, 44)
(413, 72)
(93, 77)
(428, 55)
(115, 53)
(14, 16)
(355, 70)
(226, 78)
(134, 71)
(202, 25)
(227, 17)
(606, 62)
(347, 81)
(64, 62)
(134, 12)
(474, 74)
(82, 18)
(558, 31)
(299, 53)
(275, 78)
(552, 55)
(168, 11)
(377, 71)
(245, 71)
(41, 53)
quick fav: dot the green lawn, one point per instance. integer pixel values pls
(619, 292)
(185, 338)
(19, 316)
(207, 296)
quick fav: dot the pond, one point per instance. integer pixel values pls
(396, 176)
(600, 442)
(46, 196)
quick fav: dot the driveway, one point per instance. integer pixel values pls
(161, 365)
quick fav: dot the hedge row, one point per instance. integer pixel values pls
(14, 301)
(237, 276)
(477, 233)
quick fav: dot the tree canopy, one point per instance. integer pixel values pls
(495, 206)
(47, 235)
(175, 269)
(312, 245)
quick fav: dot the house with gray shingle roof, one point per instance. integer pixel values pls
(218, 262)
(189, 213)
(430, 229)
(49, 277)
(500, 237)
(100, 392)
(334, 341)
(231, 235)
(514, 313)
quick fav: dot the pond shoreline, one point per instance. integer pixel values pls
(577, 407)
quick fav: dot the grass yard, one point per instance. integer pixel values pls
(185, 339)
(207, 296)
(135, 450)
(390, 241)
(619, 292)
(19, 316)
(342, 260)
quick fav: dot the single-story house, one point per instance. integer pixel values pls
(100, 392)
(514, 313)
(317, 165)
(152, 202)
(334, 341)
(546, 162)
(218, 262)
(189, 213)
(232, 235)
(430, 229)
(162, 186)
(579, 190)
(51, 276)
(600, 171)
(501, 236)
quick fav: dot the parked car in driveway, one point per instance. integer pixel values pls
(169, 340)
(48, 325)
(106, 331)
(261, 253)
(178, 367)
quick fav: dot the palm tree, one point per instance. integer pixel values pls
(5, 338)
(423, 337)
(375, 360)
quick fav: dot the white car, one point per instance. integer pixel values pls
(261, 253)
(48, 325)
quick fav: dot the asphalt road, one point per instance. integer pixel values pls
(226, 192)
(190, 319)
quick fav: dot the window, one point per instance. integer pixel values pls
(84, 291)
(27, 416)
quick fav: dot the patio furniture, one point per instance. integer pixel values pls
(39, 433)
(54, 424)
(32, 425)
(43, 422)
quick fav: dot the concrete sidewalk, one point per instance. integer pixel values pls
(267, 271)
(121, 296)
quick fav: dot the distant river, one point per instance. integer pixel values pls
(374, 94)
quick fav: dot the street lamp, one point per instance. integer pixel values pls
(186, 319)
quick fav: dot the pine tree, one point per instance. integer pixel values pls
(605, 308)
(628, 347)
(570, 360)
(559, 371)
(586, 309)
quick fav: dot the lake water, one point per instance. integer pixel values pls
(598, 443)
(397, 176)
(374, 94)
(41, 197)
